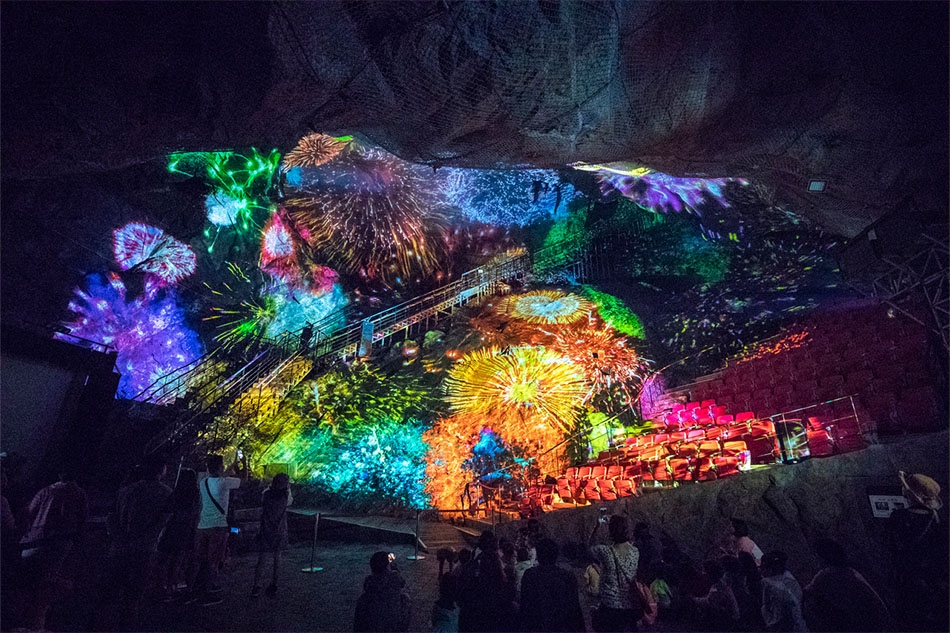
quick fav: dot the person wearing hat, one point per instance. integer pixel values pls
(918, 542)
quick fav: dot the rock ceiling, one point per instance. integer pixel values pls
(852, 93)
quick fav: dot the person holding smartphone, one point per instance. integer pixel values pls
(213, 529)
(384, 604)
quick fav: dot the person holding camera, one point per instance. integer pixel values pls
(618, 563)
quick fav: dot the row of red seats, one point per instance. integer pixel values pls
(640, 473)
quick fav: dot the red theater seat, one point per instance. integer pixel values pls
(632, 471)
(598, 472)
(726, 465)
(564, 490)
(717, 411)
(762, 448)
(679, 468)
(709, 448)
(626, 487)
(583, 472)
(734, 447)
(679, 406)
(571, 473)
(692, 405)
(614, 471)
(745, 415)
(704, 469)
(725, 420)
(687, 449)
(714, 433)
(820, 442)
(607, 490)
(707, 403)
(660, 472)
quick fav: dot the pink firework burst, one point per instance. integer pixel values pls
(150, 250)
(279, 248)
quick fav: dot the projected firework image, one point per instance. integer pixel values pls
(403, 337)
(399, 316)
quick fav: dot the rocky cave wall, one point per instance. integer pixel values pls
(787, 508)
(780, 92)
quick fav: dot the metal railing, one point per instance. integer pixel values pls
(213, 396)
(474, 283)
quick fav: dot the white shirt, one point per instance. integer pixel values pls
(220, 488)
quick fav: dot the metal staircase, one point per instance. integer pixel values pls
(211, 395)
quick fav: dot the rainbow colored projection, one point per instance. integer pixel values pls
(500, 391)
(150, 250)
(239, 183)
(381, 464)
(150, 332)
(658, 192)
(545, 307)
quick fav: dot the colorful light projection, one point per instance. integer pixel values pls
(372, 214)
(381, 463)
(140, 247)
(658, 192)
(507, 197)
(150, 333)
(359, 395)
(545, 307)
(279, 250)
(314, 150)
(450, 444)
(296, 307)
(242, 309)
(255, 306)
(774, 347)
(615, 314)
(562, 245)
(240, 184)
(223, 210)
(517, 388)
(613, 369)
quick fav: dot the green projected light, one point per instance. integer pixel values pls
(614, 313)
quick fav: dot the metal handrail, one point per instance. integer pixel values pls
(280, 352)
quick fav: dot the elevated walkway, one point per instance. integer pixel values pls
(232, 391)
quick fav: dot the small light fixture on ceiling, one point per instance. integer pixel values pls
(817, 186)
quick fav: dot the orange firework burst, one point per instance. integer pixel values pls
(605, 358)
(371, 214)
(314, 150)
(452, 439)
(521, 386)
(545, 307)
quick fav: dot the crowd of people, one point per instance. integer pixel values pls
(645, 583)
(175, 541)
(172, 540)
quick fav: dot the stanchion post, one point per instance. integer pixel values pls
(313, 546)
(415, 549)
